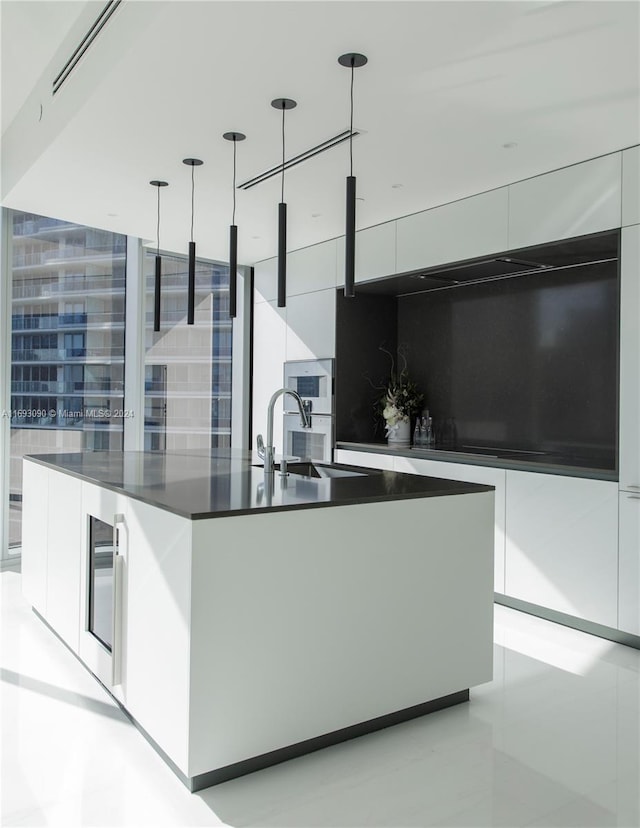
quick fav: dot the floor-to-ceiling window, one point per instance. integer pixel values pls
(67, 344)
(63, 321)
(188, 367)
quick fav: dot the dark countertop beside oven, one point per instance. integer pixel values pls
(225, 482)
(541, 462)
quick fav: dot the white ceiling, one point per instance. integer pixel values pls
(446, 86)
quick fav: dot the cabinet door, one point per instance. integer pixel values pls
(364, 458)
(375, 253)
(311, 268)
(156, 656)
(472, 474)
(35, 537)
(631, 186)
(630, 359)
(63, 561)
(464, 229)
(265, 281)
(629, 612)
(562, 544)
(311, 326)
(269, 354)
(574, 201)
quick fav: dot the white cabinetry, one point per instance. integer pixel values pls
(269, 355)
(629, 610)
(311, 268)
(375, 253)
(472, 474)
(463, 229)
(35, 539)
(631, 186)
(574, 201)
(562, 544)
(63, 559)
(265, 280)
(311, 326)
(630, 359)
(365, 459)
(157, 624)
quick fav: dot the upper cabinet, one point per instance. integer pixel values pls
(311, 268)
(375, 253)
(464, 229)
(574, 201)
(265, 280)
(311, 325)
(631, 186)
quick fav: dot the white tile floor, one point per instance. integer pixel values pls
(553, 740)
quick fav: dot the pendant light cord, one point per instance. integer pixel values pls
(282, 188)
(192, 197)
(158, 227)
(233, 220)
(351, 124)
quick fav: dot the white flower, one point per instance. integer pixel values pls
(391, 414)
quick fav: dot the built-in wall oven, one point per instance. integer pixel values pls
(313, 380)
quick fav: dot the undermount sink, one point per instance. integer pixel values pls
(306, 468)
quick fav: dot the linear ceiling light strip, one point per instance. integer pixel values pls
(88, 39)
(298, 159)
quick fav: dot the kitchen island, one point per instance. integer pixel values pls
(256, 618)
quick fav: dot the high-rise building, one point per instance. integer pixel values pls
(68, 349)
(67, 342)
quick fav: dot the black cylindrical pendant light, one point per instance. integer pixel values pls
(282, 104)
(233, 232)
(191, 288)
(352, 60)
(158, 273)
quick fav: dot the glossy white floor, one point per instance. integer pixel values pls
(553, 740)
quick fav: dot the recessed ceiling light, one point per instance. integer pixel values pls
(396, 186)
(510, 145)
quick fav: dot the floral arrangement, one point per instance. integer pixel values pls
(401, 398)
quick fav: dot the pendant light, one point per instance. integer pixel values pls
(191, 290)
(233, 231)
(352, 60)
(156, 290)
(282, 104)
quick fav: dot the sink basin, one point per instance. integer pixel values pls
(308, 469)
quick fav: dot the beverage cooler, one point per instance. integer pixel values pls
(313, 380)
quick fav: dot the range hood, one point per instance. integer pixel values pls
(568, 253)
(478, 270)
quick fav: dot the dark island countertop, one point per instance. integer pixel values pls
(226, 482)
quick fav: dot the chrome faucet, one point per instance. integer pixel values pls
(267, 452)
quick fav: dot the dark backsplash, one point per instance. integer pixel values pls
(526, 363)
(363, 324)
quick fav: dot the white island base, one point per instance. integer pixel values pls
(247, 640)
